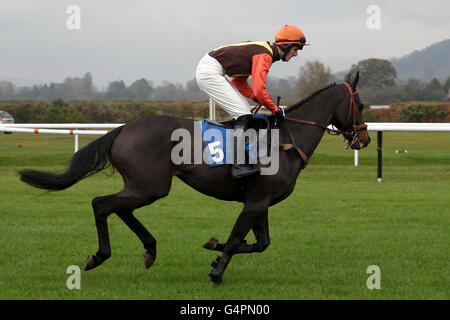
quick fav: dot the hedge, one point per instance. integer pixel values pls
(60, 111)
(410, 112)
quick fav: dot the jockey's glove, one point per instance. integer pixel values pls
(280, 115)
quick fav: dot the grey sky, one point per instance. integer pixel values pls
(164, 40)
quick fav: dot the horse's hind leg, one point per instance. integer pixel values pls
(103, 207)
(142, 233)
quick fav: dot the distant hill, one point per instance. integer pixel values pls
(431, 62)
(426, 64)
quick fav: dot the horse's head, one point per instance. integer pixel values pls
(348, 117)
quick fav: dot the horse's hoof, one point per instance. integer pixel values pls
(91, 263)
(215, 277)
(148, 259)
(211, 244)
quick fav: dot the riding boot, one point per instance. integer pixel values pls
(240, 169)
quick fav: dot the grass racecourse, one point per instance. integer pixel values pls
(338, 221)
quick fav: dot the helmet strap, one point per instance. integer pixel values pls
(284, 49)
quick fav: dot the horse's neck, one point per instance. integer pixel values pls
(319, 109)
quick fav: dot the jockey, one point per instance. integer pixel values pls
(239, 61)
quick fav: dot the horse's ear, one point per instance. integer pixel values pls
(348, 77)
(355, 82)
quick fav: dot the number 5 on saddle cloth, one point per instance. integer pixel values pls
(219, 142)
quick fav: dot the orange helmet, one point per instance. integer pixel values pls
(290, 35)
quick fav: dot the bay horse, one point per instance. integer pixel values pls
(141, 152)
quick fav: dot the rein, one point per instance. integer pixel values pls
(353, 109)
(357, 126)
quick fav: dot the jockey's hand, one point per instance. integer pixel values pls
(256, 100)
(280, 115)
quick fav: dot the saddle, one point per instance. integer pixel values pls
(258, 121)
(218, 136)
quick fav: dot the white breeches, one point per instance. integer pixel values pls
(211, 79)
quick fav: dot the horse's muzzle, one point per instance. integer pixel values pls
(359, 140)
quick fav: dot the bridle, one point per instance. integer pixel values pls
(353, 109)
(351, 136)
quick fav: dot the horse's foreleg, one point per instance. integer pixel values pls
(261, 231)
(249, 216)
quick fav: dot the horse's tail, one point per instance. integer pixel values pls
(89, 160)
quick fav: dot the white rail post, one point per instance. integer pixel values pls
(356, 158)
(76, 142)
(212, 110)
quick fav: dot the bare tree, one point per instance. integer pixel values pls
(312, 77)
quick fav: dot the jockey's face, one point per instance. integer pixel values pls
(291, 53)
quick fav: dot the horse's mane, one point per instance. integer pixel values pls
(304, 100)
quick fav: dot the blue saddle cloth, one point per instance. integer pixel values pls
(218, 140)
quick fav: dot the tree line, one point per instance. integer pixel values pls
(82, 88)
(378, 85)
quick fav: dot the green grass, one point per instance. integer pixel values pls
(338, 221)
